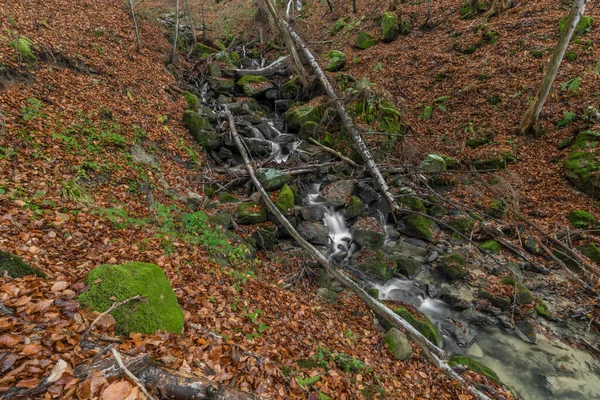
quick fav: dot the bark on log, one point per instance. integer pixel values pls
(270, 70)
(433, 352)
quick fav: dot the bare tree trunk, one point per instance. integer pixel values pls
(176, 35)
(530, 120)
(354, 7)
(188, 10)
(278, 21)
(433, 352)
(428, 14)
(135, 26)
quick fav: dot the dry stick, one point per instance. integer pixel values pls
(564, 265)
(433, 352)
(332, 151)
(135, 26)
(110, 309)
(269, 70)
(131, 376)
(359, 143)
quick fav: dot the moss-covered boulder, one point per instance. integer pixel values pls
(523, 295)
(433, 162)
(463, 224)
(204, 51)
(265, 237)
(390, 30)
(582, 164)
(221, 85)
(192, 100)
(339, 25)
(15, 267)
(437, 211)
(581, 219)
(285, 200)
(497, 301)
(22, 46)
(398, 344)
(298, 116)
(227, 198)
(492, 163)
(201, 130)
(419, 321)
(336, 61)
(272, 179)
(412, 202)
(253, 86)
(420, 227)
(364, 41)
(373, 264)
(542, 309)
(251, 213)
(453, 266)
(354, 208)
(222, 219)
(474, 366)
(408, 266)
(496, 209)
(159, 310)
(312, 130)
(291, 89)
(338, 193)
(591, 251)
(368, 233)
(492, 246)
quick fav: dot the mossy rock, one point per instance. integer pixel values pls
(542, 309)
(582, 164)
(581, 219)
(532, 246)
(291, 89)
(496, 209)
(227, 198)
(273, 179)
(15, 267)
(420, 322)
(398, 344)
(251, 213)
(221, 85)
(523, 295)
(463, 224)
(222, 219)
(368, 233)
(265, 237)
(590, 251)
(405, 27)
(354, 208)
(433, 163)
(339, 25)
(373, 264)
(286, 199)
(203, 50)
(453, 266)
(312, 130)
(467, 12)
(364, 41)
(200, 128)
(412, 202)
(501, 302)
(390, 30)
(583, 27)
(158, 311)
(420, 227)
(373, 292)
(474, 366)
(22, 45)
(437, 211)
(298, 116)
(451, 162)
(253, 86)
(192, 100)
(492, 246)
(408, 266)
(493, 163)
(336, 59)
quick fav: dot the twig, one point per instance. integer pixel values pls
(131, 376)
(332, 151)
(110, 309)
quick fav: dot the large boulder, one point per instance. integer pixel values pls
(338, 193)
(15, 267)
(314, 232)
(369, 233)
(272, 179)
(253, 86)
(453, 266)
(420, 227)
(201, 130)
(354, 208)
(390, 29)
(298, 116)
(159, 309)
(583, 163)
(407, 266)
(373, 264)
(398, 344)
(285, 200)
(251, 213)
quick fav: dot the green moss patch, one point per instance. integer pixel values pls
(336, 59)
(15, 267)
(581, 219)
(492, 246)
(474, 366)
(285, 200)
(582, 164)
(158, 311)
(251, 213)
(252, 86)
(419, 321)
(192, 100)
(523, 295)
(390, 29)
(453, 266)
(298, 116)
(420, 227)
(22, 45)
(364, 41)
(583, 27)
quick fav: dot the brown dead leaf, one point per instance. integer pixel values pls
(58, 286)
(10, 340)
(117, 391)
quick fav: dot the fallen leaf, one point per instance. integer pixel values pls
(58, 370)
(116, 391)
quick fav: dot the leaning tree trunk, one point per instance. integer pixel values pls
(176, 35)
(135, 27)
(530, 120)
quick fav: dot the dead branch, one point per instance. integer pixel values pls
(332, 151)
(102, 315)
(272, 69)
(129, 374)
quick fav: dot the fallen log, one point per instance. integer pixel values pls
(277, 66)
(432, 351)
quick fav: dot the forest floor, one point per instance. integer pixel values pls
(72, 197)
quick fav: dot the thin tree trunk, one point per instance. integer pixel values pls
(279, 24)
(428, 14)
(135, 26)
(176, 35)
(188, 10)
(354, 7)
(433, 352)
(530, 120)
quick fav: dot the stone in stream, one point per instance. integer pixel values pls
(221, 85)
(366, 193)
(258, 147)
(497, 301)
(398, 344)
(460, 332)
(314, 232)
(338, 193)
(526, 331)
(373, 264)
(477, 318)
(254, 86)
(419, 321)
(251, 213)
(272, 179)
(354, 208)
(453, 266)
(408, 266)
(368, 233)
(457, 300)
(312, 213)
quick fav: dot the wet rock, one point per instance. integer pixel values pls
(460, 332)
(420, 227)
(366, 193)
(373, 264)
(431, 256)
(291, 89)
(497, 301)
(456, 300)
(398, 344)
(251, 213)
(453, 266)
(265, 237)
(368, 233)
(258, 147)
(272, 179)
(475, 366)
(201, 130)
(419, 321)
(222, 219)
(253, 86)
(312, 213)
(408, 267)
(476, 318)
(314, 232)
(526, 331)
(403, 249)
(327, 295)
(285, 139)
(221, 85)
(354, 208)
(504, 322)
(338, 193)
